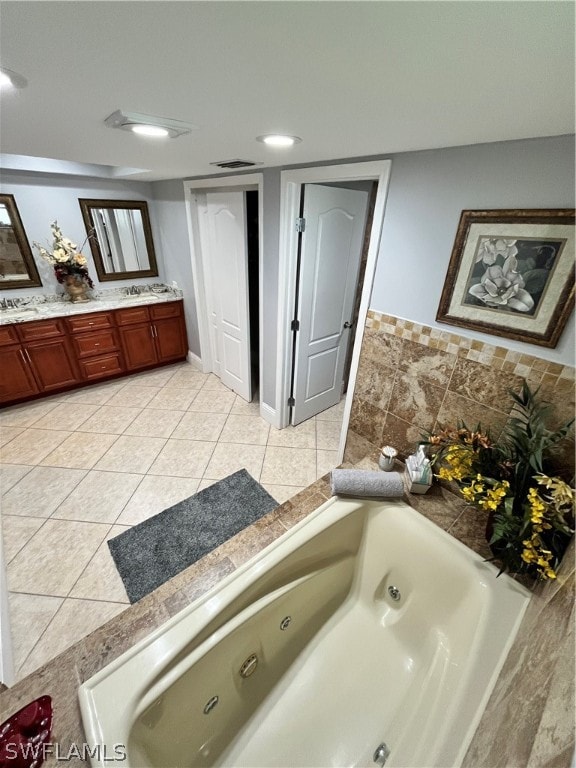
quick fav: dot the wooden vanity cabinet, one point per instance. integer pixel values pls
(16, 378)
(60, 353)
(155, 336)
(137, 336)
(43, 361)
(169, 332)
(96, 345)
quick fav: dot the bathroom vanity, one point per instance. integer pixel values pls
(52, 348)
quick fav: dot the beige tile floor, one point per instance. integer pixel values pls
(79, 468)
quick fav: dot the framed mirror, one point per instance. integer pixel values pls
(120, 238)
(17, 266)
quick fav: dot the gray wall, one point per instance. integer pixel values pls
(427, 192)
(42, 198)
(175, 243)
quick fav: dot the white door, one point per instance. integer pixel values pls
(330, 254)
(225, 261)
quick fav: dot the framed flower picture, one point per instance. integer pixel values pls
(511, 274)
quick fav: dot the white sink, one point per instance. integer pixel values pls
(18, 312)
(145, 297)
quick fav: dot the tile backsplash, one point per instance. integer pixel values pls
(413, 378)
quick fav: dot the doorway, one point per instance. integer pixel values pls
(225, 226)
(330, 249)
(292, 183)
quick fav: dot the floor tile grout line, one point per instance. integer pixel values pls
(21, 666)
(90, 560)
(105, 522)
(2, 491)
(60, 597)
(15, 555)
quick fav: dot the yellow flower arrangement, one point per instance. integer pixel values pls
(530, 514)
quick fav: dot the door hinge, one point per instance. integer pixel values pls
(295, 325)
(300, 225)
(291, 402)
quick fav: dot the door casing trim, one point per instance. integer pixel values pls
(240, 183)
(291, 183)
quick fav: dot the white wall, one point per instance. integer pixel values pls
(42, 198)
(428, 191)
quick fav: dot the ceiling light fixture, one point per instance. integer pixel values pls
(148, 125)
(279, 140)
(10, 79)
(149, 130)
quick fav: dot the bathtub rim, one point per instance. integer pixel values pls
(236, 583)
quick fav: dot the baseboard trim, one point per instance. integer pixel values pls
(270, 415)
(194, 360)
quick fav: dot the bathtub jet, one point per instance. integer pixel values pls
(364, 624)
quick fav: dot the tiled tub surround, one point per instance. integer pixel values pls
(413, 378)
(534, 695)
(529, 719)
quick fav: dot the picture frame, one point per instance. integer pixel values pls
(511, 274)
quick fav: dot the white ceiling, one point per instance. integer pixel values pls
(351, 78)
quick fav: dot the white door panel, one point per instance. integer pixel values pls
(226, 263)
(329, 261)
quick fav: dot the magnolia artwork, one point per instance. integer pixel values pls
(512, 274)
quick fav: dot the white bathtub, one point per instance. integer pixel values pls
(351, 669)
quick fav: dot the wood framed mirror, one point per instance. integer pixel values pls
(120, 238)
(17, 266)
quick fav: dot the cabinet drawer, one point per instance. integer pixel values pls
(99, 367)
(40, 329)
(8, 335)
(171, 309)
(96, 343)
(132, 315)
(91, 322)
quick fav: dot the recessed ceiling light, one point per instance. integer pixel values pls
(10, 79)
(279, 140)
(148, 125)
(150, 130)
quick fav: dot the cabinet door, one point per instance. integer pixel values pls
(53, 364)
(16, 377)
(138, 346)
(170, 337)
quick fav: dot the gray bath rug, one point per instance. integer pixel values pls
(154, 551)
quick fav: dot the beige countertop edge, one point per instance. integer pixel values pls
(60, 677)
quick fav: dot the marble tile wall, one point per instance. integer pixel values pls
(412, 378)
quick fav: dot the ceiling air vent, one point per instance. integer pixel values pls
(235, 163)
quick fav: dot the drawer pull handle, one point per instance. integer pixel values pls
(97, 344)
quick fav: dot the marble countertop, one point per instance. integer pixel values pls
(45, 310)
(61, 677)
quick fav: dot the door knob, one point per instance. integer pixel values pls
(348, 325)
